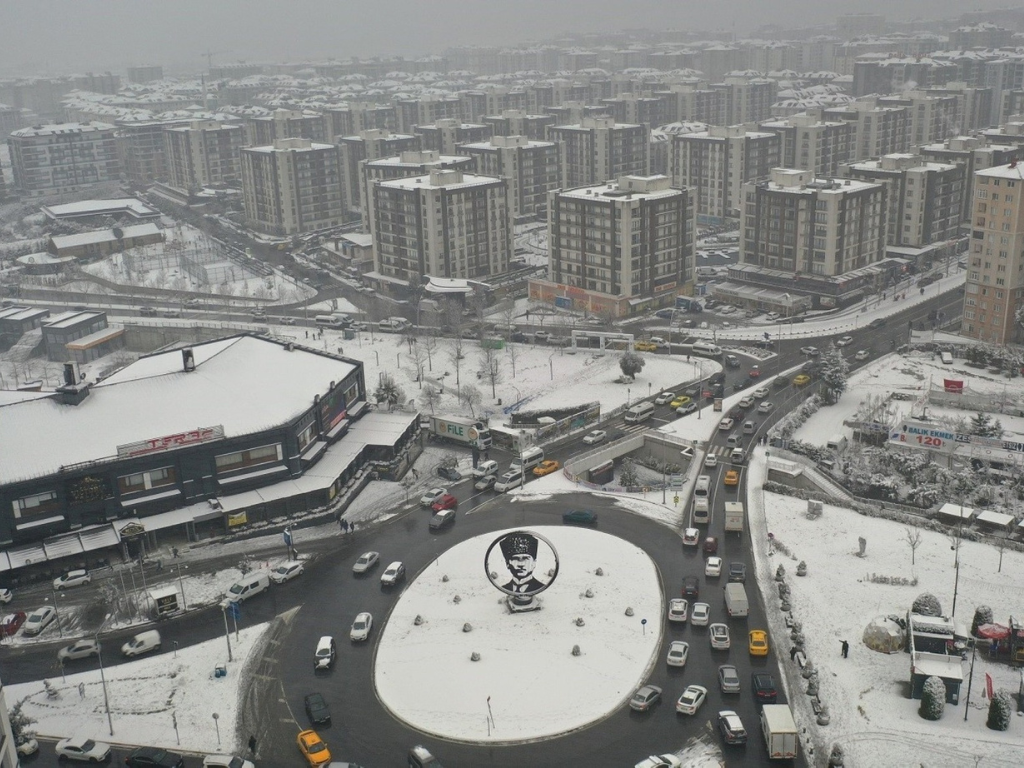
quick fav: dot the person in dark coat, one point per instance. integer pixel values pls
(846, 649)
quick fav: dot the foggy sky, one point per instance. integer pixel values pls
(63, 36)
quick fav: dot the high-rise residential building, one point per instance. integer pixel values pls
(409, 163)
(982, 35)
(445, 224)
(619, 247)
(633, 108)
(714, 164)
(717, 61)
(881, 130)
(797, 223)
(573, 112)
(531, 169)
(367, 145)
(690, 102)
(516, 122)
(974, 107)
(145, 73)
(995, 270)
(554, 93)
(881, 75)
(598, 149)
(140, 147)
(973, 154)
(264, 130)
(291, 186)
(748, 98)
(446, 135)
(932, 118)
(202, 153)
(491, 100)
(924, 198)
(63, 157)
(356, 117)
(425, 110)
(811, 143)
(11, 119)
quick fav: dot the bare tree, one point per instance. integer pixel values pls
(491, 367)
(913, 539)
(472, 396)
(508, 315)
(429, 344)
(456, 357)
(419, 356)
(513, 352)
(430, 396)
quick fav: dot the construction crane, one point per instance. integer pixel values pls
(209, 57)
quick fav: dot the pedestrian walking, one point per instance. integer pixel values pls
(307, 333)
(792, 653)
(252, 745)
(81, 690)
(846, 649)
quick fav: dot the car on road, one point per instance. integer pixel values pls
(732, 477)
(316, 709)
(6, 596)
(862, 354)
(713, 567)
(719, 636)
(580, 517)
(801, 379)
(728, 680)
(82, 749)
(286, 572)
(485, 483)
(878, 322)
(645, 698)
(326, 653)
(546, 467)
(731, 727)
(711, 461)
(153, 757)
(451, 474)
(763, 685)
(758, 642)
(700, 615)
(664, 397)
(680, 400)
(746, 402)
(678, 609)
(445, 502)
(644, 346)
(361, 627)
(691, 588)
(683, 410)
(766, 406)
(39, 620)
(393, 574)
(193, 302)
(761, 393)
(72, 579)
(441, 519)
(226, 761)
(726, 424)
(678, 651)
(286, 320)
(431, 496)
(595, 437)
(660, 761)
(691, 699)
(542, 337)
(11, 623)
(365, 562)
(809, 351)
(80, 649)
(313, 748)
(844, 341)
(710, 545)
(755, 373)
(691, 537)
(738, 572)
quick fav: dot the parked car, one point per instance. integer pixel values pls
(678, 651)
(763, 686)
(645, 698)
(700, 615)
(361, 627)
(39, 620)
(691, 699)
(313, 748)
(433, 495)
(718, 634)
(72, 579)
(82, 750)
(691, 587)
(393, 574)
(80, 649)
(365, 562)
(738, 572)
(580, 517)
(691, 537)
(731, 727)
(451, 474)
(226, 761)
(153, 757)
(713, 567)
(660, 761)
(441, 519)
(11, 623)
(728, 680)
(758, 642)
(6, 596)
(678, 609)
(326, 653)
(420, 757)
(26, 746)
(286, 571)
(595, 437)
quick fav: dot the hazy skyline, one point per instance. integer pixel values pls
(63, 36)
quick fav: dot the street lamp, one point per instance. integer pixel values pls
(181, 585)
(103, 677)
(56, 611)
(627, 397)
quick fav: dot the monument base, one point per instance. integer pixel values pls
(522, 604)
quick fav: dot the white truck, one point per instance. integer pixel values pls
(734, 516)
(472, 433)
(736, 604)
(780, 734)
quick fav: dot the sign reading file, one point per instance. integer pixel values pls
(924, 436)
(170, 442)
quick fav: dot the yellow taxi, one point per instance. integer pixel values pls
(645, 346)
(313, 749)
(801, 379)
(679, 401)
(758, 642)
(546, 467)
(732, 477)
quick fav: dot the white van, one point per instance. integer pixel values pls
(511, 479)
(737, 456)
(528, 459)
(701, 510)
(749, 427)
(837, 443)
(707, 349)
(144, 642)
(485, 468)
(702, 486)
(329, 321)
(249, 585)
(639, 412)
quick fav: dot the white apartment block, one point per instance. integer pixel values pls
(619, 247)
(598, 149)
(814, 144)
(410, 163)
(446, 135)
(974, 154)
(291, 186)
(425, 110)
(63, 157)
(202, 153)
(368, 145)
(932, 118)
(881, 130)
(354, 118)
(445, 224)
(264, 130)
(531, 169)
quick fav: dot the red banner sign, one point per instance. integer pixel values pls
(170, 442)
(954, 386)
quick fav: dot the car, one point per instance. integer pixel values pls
(6, 596)
(316, 709)
(763, 685)
(732, 477)
(700, 615)
(580, 517)
(644, 346)
(809, 351)
(680, 400)
(660, 761)
(431, 496)
(719, 636)
(726, 424)
(710, 545)
(691, 537)
(11, 623)
(801, 379)
(766, 406)
(177, 313)
(754, 373)
(761, 393)
(678, 650)
(758, 642)
(451, 474)
(878, 322)
(445, 502)
(738, 572)
(286, 320)
(844, 341)
(420, 757)
(361, 627)
(80, 649)
(441, 519)
(713, 567)
(691, 699)
(485, 483)
(691, 589)
(326, 653)
(728, 680)
(862, 354)
(664, 397)
(82, 749)
(645, 698)
(772, 316)
(365, 562)
(193, 302)
(678, 609)
(683, 410)
(153, 757)
(731, 361)
(546, 467)
(226, 761)
(710, 461)
(313, 748)
(286, 571)
(731, 727)
(746, 402)
(393, 574)
(72, 579)
(39, 620)
(595, 437)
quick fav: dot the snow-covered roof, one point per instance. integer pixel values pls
(1013, 171)
(456, 181)
(54, 129)
(447, 285)
(361, 239)
(995, 518)
(957, 511)
(103, 235)
(129, 205)
(937, 665)
(244, 383)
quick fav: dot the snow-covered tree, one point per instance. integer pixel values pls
(430, 396)
(927, 604)
(388, 391)
(983, 426)
(834, 370)
(631, 364)
(982, 615)
(933, 698)
(472, 397)
(628, 476)
(1000, 710)
(20, 722)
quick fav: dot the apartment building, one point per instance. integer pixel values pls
(446, 135)
(203, 152)
(367, 145)
(531, 169)
(145, 73)
(425, 110)
(748, 98)
(973, 154)
(445, 224)
(689, 102)
(982, 35)
(995, 270)
(356, 117)
(517, 122)
(932, 118)
(554, 93)
(264, 130)
(619, 247)
(491, 100)
(291, 186)
(881, 75)
(407, 164)
(814, 144)
(714, 164)
(573, 112)
(633, 108)
(63, 157)
(881, 130)
(597, 149)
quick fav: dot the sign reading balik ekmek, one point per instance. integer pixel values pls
(927, 437)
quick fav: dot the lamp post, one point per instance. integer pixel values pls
(56, 611)
(551, 365)
(103, 677)
(227, 632)
(181, 585)
(956, 548)
(627, 397)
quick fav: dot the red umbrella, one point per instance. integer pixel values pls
(993, 631)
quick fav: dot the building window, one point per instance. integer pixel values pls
(37, 504)
(306, 436)
(228, 462)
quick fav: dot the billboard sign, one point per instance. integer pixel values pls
(928, 437)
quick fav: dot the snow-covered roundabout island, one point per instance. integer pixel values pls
(527, 685)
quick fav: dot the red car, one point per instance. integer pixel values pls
(755, 372)
(445, 502)
(710, 545)
(11, 623)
